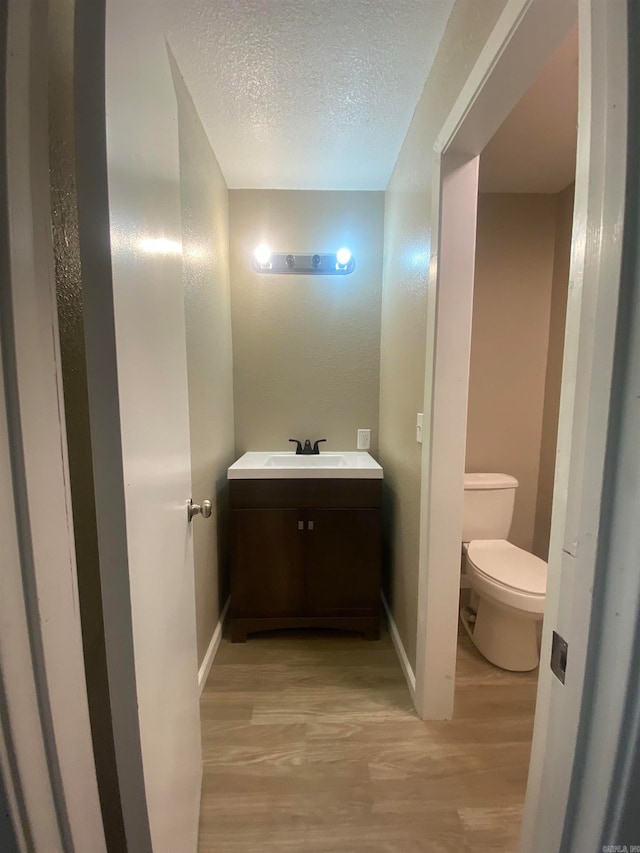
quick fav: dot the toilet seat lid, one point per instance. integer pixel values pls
(509, 565)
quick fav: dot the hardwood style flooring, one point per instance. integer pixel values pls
(311, 745)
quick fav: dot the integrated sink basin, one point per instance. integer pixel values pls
(289, 465)
(322, 460)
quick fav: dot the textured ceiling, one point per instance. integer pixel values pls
(305, 94)
(534, 151)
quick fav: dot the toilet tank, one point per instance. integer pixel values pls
(488, 506)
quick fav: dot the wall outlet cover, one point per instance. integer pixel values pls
(364, 439)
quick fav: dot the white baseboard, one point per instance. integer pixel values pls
(398, 646)
(203, 673)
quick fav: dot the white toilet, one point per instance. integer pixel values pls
(508, 584)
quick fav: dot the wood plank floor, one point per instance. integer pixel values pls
(311, 745)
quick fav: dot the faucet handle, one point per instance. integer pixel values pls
(298, 445)
(316, 449)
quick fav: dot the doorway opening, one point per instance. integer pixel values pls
(520, 46)
(520, 290)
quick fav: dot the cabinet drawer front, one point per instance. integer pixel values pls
(266, 566)
(302, 494)
(342, 556)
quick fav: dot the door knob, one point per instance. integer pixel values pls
(203, 509)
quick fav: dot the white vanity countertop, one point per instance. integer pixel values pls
(347, 465)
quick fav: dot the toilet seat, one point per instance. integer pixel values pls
(507, 574)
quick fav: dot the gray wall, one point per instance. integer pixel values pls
(517, 344)
(205, 245)
(306, 348)
(509, 344)
(404, 302)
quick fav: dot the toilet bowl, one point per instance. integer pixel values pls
(508, 584)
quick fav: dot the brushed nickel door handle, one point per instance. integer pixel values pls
(203, 509)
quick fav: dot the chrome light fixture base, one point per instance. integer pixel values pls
(286, 263)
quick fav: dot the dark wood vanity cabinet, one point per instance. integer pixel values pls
(305, 553)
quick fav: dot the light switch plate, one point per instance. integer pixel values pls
(364, 439)
(419, 428)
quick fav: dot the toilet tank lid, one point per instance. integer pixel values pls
(474, 482)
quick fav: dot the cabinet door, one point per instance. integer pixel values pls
(342, 561)
(266, 568)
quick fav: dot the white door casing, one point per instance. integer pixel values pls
(524, 37)
(592, 319)
(445, 411)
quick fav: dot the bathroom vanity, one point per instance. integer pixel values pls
(305, 542)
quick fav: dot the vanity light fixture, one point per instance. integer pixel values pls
(262, 258)
(341, 262)
(343, 256)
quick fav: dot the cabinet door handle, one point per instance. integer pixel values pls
(310, 525)
(301, 525)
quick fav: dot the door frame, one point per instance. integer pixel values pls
(525, 35)
(523, 39)
(46, 758)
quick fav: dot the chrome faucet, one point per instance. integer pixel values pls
(307, 450)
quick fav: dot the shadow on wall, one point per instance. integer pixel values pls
(388, 539)
(221, 520)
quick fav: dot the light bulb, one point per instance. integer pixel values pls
(343, 256)
(262, 255)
